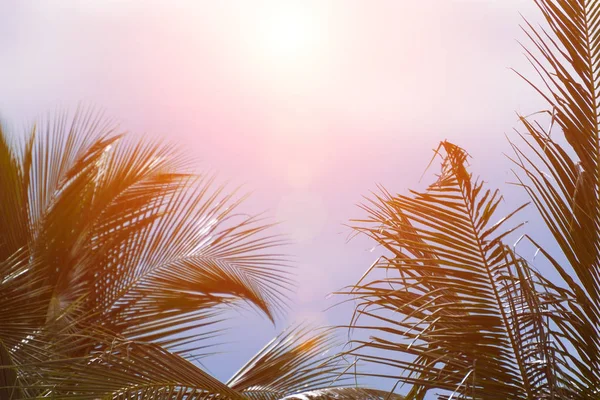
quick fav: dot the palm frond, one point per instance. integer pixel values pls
(345, 393)
(23, 299)
(9, 384)
(456, 309)
(116, 369)
(127, 226)
(296, 360)
(200, 255)
(559, 167)
(99, 232)
(13, 197)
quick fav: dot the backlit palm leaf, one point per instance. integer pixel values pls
(114, 368)
(559, 166)
(452, 308)
(297, 360)
(345, 393)
(97, 231)
(9, 384)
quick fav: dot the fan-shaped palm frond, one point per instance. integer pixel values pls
(456, 310)
(294, 361)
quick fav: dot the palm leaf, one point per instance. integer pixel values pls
(559, 167)
(153, 247)
(296, 360)
(101, 232)
(345, 393)
(456, 310)
(9, 384)
(116, 369)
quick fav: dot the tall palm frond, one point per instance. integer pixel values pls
(453, 308)
(559, 166)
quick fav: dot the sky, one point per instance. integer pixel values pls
(309, 104)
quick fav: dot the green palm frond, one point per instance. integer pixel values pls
(456, 310)
(296, 360)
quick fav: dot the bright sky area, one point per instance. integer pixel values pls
(310, 104)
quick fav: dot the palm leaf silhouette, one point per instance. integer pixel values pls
(460, 305)
(559, 168)
(456, 297)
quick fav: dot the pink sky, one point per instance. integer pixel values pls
(310, 104)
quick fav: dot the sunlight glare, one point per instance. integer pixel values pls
(289, 33)
(289, 36)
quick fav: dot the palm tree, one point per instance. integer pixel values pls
(451, 309)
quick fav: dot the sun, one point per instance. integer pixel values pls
(289, 32)
(288, 35)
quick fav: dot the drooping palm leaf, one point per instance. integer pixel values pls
(127, 237)
(120, 221)
(456, 310)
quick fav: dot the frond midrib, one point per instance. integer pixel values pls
(497, 296)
